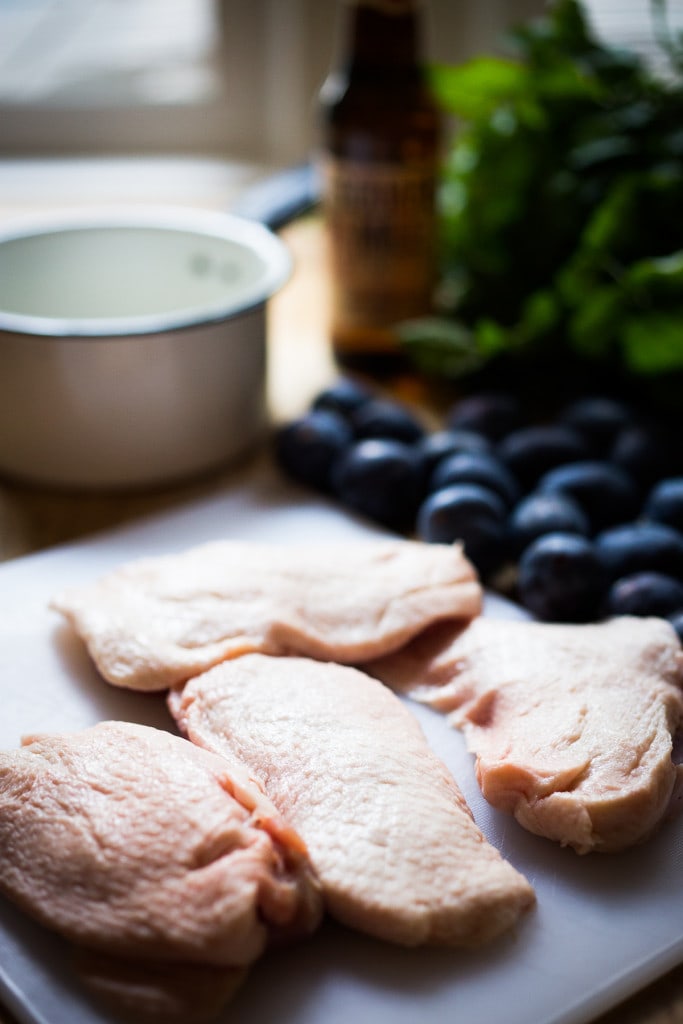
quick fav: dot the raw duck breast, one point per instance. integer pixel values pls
(159, 621)
(134, 843)
(388, 832)
(571, 725)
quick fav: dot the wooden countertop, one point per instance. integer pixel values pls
(300, 363)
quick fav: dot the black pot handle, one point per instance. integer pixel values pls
(281, 198)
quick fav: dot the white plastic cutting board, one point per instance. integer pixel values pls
(604, 926)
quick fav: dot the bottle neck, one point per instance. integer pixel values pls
(384, 36)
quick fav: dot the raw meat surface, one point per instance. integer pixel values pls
(571, 725)
(346, 763)
(131, 841)
(159, 621)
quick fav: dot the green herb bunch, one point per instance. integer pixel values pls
(561, 206)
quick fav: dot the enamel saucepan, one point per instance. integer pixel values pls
(132, 344)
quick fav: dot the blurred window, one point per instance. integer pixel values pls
(108, 75)
(221, 77)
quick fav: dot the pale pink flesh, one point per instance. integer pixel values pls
(133, 842)
(159, 621)
(571, 725)
(346, 763)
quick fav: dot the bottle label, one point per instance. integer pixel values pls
(381, 234)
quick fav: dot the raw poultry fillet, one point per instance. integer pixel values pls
(388, 832)
(571, 725)
(135, 843)
(159, 621)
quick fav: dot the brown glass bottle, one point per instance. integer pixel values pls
(380, 151)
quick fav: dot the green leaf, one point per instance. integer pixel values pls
(439, 346)
(560, 204)
(478, 87)
(656, 278)
(592, 328)
(611, 217)
(492, 337)
(565, 79)
(540, 316)
(597, 152)
(653, 343)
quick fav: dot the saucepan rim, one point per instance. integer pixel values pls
(277, 267)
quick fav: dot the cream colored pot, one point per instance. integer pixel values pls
(132, 344)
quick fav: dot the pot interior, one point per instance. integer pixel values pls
(119, 272)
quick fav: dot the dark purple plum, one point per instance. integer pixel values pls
(560, 578)
(538, 514)
(492, 414)
(384, 418)
(531, 451)
(644, 452)
(640, 547)
(432, 448)
(664, 503)
(605, 493)
(476, 468)
(645, 593)
(308, 447)
(380, 478)
(468, 513)
(344, 396)
(598, 419)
